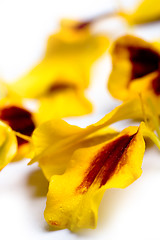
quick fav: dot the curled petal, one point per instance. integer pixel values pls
(132, 58)
(55, 141)
(74, 197)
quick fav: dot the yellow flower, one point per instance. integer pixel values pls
(55, 141)
(8, 145)
(146, 11)
(135, 68)
(69, 56)
(74, 197)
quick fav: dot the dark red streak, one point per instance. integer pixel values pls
(144, 61)
(59, 87)
(104, 164)
(19, 119)
(156, 85)
(82, 25)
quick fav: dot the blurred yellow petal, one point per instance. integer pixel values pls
(74, 197)
(8, 145)
(65, 102)
(65, 62)
(3, 90)
(146, 11)
(49, 73)
(148, 85)
(132, 59)
(156, 44)
(7, 92)
(72, 31)
(136, 73)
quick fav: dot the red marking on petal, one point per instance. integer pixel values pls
(105, 163)
(54, 223)
(59, 87)
(156, 85)
(144, 61)
(82, 25)
(19, 119)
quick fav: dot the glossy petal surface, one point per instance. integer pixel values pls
(74, 197)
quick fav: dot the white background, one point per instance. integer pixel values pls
(131, 213)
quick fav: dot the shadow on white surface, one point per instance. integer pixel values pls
(38, 183)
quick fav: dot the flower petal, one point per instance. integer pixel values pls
(74, 197)
(147, 11)
(8, 145)
(132, 59)
(55, 141)
(66, 102)
(48, 73)
(19, 119)
(65, 62)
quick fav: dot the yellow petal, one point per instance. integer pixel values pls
(156, 44)
(65, 62)
(148, 133)
(19, 119)
(48, 73)
(3, 90)
(148, 85)
(55, 141)
(22, 122)
(8, 145)
(6, 92)
(63, 103)
(74, 197)
(146, 11)
(72, 30)
(132, 58)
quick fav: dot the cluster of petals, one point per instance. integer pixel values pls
(82, 163)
